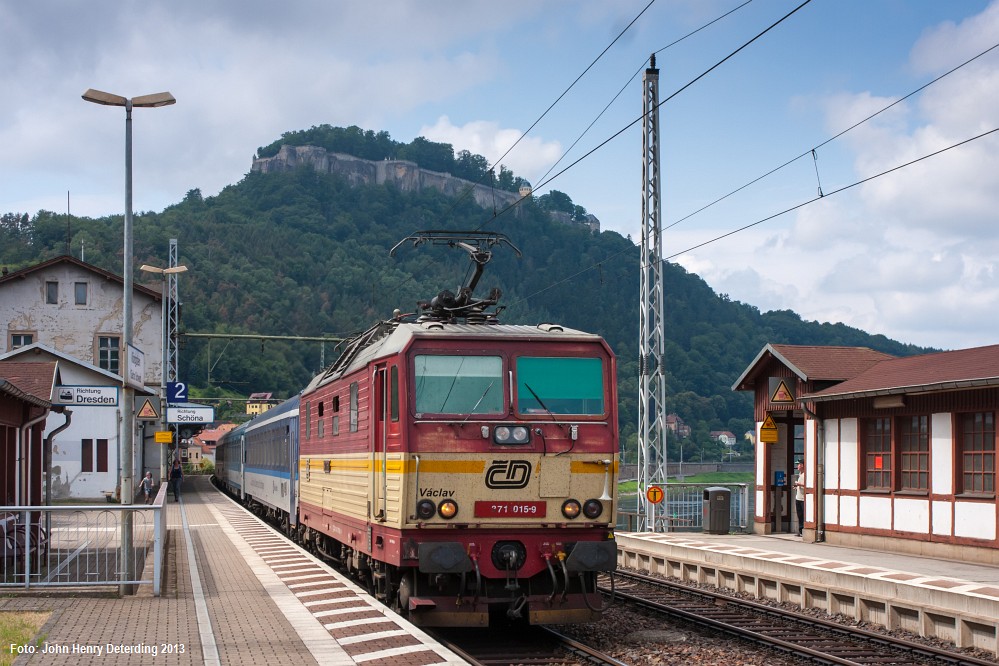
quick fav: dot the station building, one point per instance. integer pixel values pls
(899, 452)
(69, 313)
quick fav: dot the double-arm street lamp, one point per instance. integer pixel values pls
(128, 396)
(167, 294)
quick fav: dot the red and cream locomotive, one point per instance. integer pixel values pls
(465, 468)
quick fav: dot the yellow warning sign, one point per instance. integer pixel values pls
(768, 431)
(782, 393)
(147, 411)
(654, 494)
(163, 437)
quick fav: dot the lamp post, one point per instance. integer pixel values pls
(164, 370)
(128, 396)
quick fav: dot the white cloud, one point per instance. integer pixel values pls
(528, 159)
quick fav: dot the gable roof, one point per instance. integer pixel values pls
(31, 382)
(67, 259)
(940, 371)
(38, 347)
(813, 362)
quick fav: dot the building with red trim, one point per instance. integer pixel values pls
(899, 453)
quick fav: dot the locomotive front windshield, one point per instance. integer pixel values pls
(459, 384)
(560, 385)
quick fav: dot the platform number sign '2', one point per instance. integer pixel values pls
(176, 392)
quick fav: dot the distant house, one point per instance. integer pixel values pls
(676, 425)
(259, 403)
(723, 436)
(207, 440)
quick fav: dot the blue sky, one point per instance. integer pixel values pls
(911, 254)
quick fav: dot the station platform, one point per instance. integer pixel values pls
(948, 600)
(236, 592)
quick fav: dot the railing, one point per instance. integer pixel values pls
(682, 508)
(81, 545)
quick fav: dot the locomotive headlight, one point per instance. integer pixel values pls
(425, 509)
(511, 435)
(592, 508)
(448, 509)
(570, 508)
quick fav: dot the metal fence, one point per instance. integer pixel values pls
(682, 509)
(84, 545)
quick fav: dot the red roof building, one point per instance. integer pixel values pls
(899, 453)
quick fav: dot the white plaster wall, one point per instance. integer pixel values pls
(832, 510)
(976, 520)
(849, 447)
(875, 512)
(761, 451)
(71, 328)
(87, 423)
(832, 454)
(941, 454)
(942, 523)
(848, 511)
(912, 515)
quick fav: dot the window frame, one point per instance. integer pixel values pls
(11, 344)
(870, 455)
(913, 453)
(99, 350)
(984, 434)
(77, 293)
(51, 292)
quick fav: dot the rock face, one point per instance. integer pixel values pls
(407, 176)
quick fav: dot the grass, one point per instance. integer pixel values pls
(631, 487)
(20, 628)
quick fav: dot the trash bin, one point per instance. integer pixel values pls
(717, 507)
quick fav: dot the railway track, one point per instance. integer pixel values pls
(533, 645)
(801, 636)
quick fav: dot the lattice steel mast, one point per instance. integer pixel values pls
(173, 312)
(652, 344)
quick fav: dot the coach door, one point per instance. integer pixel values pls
(379, 477)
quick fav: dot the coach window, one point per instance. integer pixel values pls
(319, 419)
(560, 385)
(877, 454)
(459, 384)
(914, 453)
(336, 415)
(353, 407)
(977, 453)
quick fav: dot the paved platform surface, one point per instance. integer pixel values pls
(787, 544)
(235, 592)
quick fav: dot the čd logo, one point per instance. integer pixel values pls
(508, 474)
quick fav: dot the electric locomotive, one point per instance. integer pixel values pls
(465, 468)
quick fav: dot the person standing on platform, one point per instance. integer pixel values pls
(799, 497)
(147, 487)
(176, 476)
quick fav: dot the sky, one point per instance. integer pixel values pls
(907, 252)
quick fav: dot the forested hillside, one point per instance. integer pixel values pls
(306, 254)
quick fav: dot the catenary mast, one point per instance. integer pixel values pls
(652, 343)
